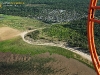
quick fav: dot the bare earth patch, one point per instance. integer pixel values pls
(43, 64)
(7, 33)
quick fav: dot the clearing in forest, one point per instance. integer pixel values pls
(7, 33)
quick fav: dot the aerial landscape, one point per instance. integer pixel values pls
(45, 37)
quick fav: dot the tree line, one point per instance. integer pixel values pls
(80, 8)
(74, 33)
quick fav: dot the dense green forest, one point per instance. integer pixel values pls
(47, 10)
(74, 33)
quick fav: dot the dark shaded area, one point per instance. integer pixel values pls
(32, 66)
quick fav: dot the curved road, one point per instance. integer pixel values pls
(84, 55)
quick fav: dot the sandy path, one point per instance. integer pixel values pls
(84, 55)
(8, 33)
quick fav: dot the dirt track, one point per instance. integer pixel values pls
(60, 44)
(62, 65)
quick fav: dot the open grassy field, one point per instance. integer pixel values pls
(21, 23)
(17, 46)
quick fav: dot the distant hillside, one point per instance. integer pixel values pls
(47, 10)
